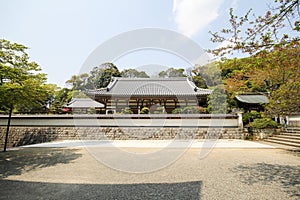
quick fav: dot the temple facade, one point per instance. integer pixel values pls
(136, 93)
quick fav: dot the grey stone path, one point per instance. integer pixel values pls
(225, 173)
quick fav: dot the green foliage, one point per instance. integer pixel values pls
(188, 110)
(77, 94)
(22, 86)
(250, 117)
(208, 75)
(127, 110)
(274, 63)
(177, 111)
(98, 77)
(171, 72)
(91, 111)
(199, 81)
(217, 101)
(263, 123)
(78, 82)
(276, 73)
(285, 100)
(145, 110)
(133, 73)
(60, 98)
(101, 76)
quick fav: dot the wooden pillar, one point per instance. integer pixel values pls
(138, 106)
(127, 102)
(116, 104)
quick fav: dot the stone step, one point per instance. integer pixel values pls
(288, 136)
(297, 135)
(283, 142)
(284, 139)
(291, 133)
(293, 129)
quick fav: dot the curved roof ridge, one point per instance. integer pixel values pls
(151, 79)
(177, 86)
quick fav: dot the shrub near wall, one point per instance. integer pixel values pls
(262, 128)
(264, 123)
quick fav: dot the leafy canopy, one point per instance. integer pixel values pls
(21, 83)
(272, 45)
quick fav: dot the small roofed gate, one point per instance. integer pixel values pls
(252, 101)
(136, 93)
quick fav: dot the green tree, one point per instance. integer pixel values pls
(199, 81)
(60, 98)
(21, 83)
(276, 72)
(101, 76)
(217, 101)
(98, 77)
(272, 41)
(172, 72)
(133, 73)
(78, 82)
(208, 75)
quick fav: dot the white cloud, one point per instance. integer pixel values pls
(192, 16)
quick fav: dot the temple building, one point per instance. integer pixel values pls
(136, 93)
(83, 105)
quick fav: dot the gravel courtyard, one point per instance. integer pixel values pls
(225, 173)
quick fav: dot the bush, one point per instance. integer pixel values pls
(262, 123)
(190, 110)
(91, 111)
(176, 111)
(145, 110)
(250, 117)
(186, 110)
(127, 110)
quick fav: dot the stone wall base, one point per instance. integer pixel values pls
(19, 136)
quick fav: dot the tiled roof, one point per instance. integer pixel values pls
(252, 98)
(83, 103)
(150, 87)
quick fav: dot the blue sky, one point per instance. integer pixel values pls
(61, 34)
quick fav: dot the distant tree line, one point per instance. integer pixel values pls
(100, 76)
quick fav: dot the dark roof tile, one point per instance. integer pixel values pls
(151, 87)
(83, 103)
(252, 98)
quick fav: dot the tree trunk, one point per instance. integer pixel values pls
(7, 128)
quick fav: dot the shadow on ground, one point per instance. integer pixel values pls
(16, 162)
(38, 190)
(285, 175)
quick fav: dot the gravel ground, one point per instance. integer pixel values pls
(74, 173)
